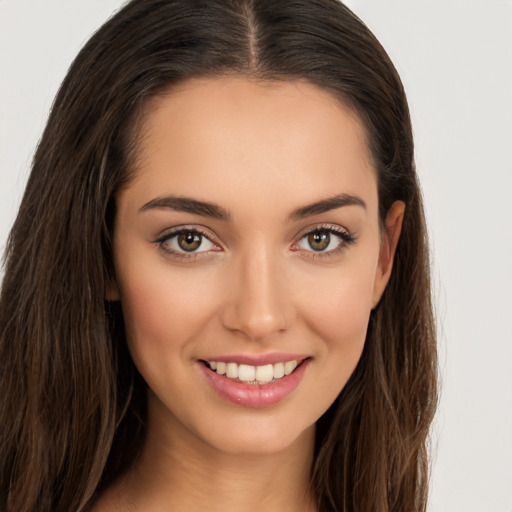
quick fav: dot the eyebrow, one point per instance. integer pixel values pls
(207, 209)
(188, 205)
(326, 205)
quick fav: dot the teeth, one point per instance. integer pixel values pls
(232, 371)
(264, 373)
(246, 373)
(289, 366)
(254, 374)
(278, 370)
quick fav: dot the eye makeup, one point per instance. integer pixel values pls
(187, 243)
(323, 241)
(191, 242)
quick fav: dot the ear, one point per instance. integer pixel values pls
(393, 228)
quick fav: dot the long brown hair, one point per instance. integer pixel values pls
(72, 406)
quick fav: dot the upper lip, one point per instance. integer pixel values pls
(257, 360)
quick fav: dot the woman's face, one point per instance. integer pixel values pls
(249, 239)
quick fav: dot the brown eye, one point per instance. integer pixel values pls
(325, 240)
(319, 240)
(189, 240)
(186, 242)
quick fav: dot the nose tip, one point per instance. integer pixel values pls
(256, 325)
(258, 305)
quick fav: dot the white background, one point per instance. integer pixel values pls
(455, 58)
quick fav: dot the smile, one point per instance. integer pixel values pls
(256, 385)
(253, 374)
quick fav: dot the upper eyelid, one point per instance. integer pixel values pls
(179, 255)
(176, 230)
(346, 239)
(213, 238)
(335, 228)
(167, 235)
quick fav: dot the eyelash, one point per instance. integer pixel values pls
(184, 256)
(345, 237)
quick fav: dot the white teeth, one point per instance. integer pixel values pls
(264, 373)
(246, 373)
(289, 366)
(278, 370)
(232, 370)
(254, 374)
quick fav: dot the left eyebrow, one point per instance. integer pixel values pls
(188, 205)
(326, 205)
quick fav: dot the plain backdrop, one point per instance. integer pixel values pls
(455, 59)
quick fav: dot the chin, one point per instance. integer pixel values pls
(259, 438)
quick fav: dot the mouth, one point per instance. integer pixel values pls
(253, 375)
(256, 385)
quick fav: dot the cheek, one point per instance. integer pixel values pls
(338, 313)
(339, 303)
(341, 320)
(164, 311)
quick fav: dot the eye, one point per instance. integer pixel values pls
(325, 240)
(186, 241)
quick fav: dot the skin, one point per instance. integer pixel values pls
(260, 151)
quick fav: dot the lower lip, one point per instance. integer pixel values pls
(254, 395)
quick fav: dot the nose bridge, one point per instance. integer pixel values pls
(259, 305)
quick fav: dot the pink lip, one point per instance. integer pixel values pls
(255, 395)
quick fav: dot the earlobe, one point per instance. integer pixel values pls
(390, 237)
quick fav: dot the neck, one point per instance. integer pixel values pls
(178, 471)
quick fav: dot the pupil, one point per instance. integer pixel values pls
(189, 241)
(319, 240)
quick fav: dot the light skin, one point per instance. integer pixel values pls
(287, 256)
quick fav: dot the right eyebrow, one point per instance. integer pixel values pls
(188, 205)
(326, 205)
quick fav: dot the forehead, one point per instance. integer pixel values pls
(230, 139)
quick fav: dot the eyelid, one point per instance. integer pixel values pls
(347, 238)
(183, 255)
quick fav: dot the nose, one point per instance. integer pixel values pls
(258, 303)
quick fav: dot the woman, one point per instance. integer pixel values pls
(216, 291)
